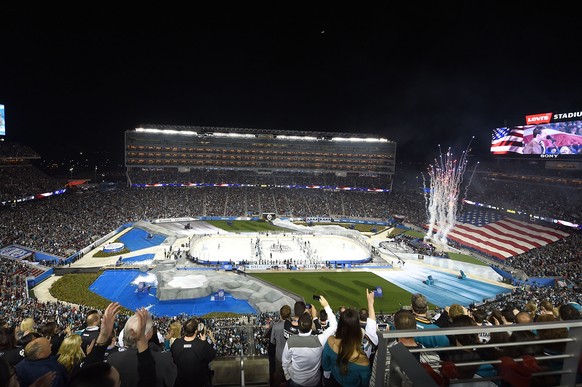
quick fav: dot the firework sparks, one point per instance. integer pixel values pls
(442, 199)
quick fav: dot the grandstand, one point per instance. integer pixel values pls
(257, 157)
(21, 181)
(68, 226)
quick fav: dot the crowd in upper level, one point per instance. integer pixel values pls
(21, 181)
(14, 151)
(276, 179)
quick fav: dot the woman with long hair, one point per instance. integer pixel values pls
(70, 353)
(343, 356)
(175, 332)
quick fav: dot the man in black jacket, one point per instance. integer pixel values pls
(91, 331)
(192, 355)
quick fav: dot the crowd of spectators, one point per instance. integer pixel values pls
(247, 334)
(547, 200)
(12, 278)
(14, 151)
(565, 260)
(171, 175)
(21, 181)
(234, 335)
(64, 224)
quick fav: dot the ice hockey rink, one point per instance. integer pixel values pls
(277, 249)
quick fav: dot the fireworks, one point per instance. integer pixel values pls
(442, 199)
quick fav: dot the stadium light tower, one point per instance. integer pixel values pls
(95, 181)
(71, 173)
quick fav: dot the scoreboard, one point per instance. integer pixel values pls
(546, 135)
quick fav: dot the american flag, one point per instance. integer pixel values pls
(493, 234)
(507, 140)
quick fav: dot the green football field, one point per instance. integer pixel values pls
(340, 288)
(244, 226)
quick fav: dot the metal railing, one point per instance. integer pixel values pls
(242, 369)
(404, 367)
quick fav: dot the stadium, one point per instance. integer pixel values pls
(230, 224)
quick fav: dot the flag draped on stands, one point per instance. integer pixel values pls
(507, 140)
(491, 233)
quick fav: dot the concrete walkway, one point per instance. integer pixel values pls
(42, 290)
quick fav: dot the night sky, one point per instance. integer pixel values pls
(418, 76)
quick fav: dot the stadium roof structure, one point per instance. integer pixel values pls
(315, 135)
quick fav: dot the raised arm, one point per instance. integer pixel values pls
(370, 298)
(96, 350)
(371, 325)
(332, 321)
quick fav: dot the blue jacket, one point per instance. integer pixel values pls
(422, 323)
(30, 370)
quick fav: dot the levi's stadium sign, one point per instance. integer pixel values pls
(546, 118)
(542, 118)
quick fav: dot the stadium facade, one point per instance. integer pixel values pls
(244, 152)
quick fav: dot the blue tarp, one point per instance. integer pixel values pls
(533, 281)
(502, 273)
(117, 285)
(536, 281)
(137, 239)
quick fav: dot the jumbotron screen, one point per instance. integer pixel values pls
(2, 121)
(547, 140)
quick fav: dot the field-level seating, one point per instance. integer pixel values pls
(29, 271)
(518, 371)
